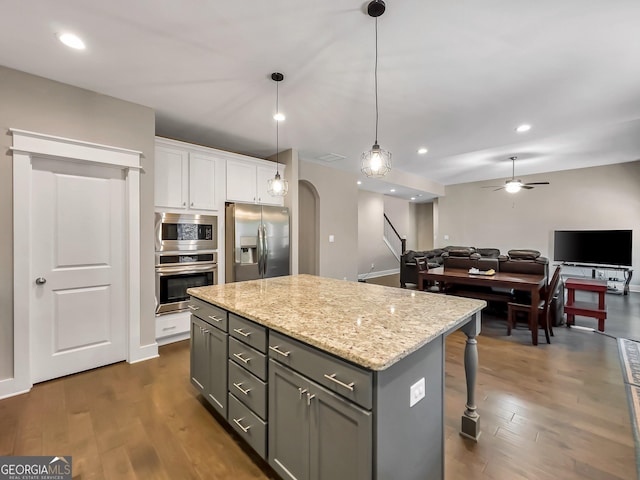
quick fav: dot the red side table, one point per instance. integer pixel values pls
(586, 309)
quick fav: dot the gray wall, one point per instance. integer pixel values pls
(33, 103)
(338, 212)
(606, 197)
(371, 247)
(424, 226)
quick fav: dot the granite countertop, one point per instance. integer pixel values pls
(370, 325)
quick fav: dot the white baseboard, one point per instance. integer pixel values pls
(10, 387)
(173, 338)
(634, 288)
(144, 352)
(382, 273)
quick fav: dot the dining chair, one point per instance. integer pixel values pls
(544, 309)
(423, 266)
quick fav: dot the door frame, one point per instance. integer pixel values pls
(26, 146)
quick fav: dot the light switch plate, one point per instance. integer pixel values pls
(416, 392)
(332, 239)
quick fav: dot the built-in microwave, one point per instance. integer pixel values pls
(186, 232)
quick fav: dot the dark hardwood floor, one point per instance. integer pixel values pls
(554, 411)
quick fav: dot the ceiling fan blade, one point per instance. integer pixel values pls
(499, 188)
(526, 187)
(492, 186)
(538, 183)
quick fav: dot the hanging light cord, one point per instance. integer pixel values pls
(375, 76)
(277, 122)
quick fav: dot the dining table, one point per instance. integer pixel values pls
(527, 282)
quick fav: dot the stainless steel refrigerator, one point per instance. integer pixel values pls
(257, 242)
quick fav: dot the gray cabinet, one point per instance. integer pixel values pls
(209, 350)
(314, 433)
(246, 385)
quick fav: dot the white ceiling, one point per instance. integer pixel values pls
(454, 76)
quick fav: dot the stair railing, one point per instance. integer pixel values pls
(392, 238)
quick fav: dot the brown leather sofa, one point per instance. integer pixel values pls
(456, 255)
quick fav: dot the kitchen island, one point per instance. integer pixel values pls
(332, 379)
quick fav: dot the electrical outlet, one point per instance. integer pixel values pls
(416, 392)
(373, 265)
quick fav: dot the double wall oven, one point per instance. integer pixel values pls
(186, 256)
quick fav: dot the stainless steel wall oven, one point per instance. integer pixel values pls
(185, 257)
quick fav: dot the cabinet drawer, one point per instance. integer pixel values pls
(248, 357)
(248, 425)
(172, 324)
(337, 375)
(209, 313)
(249, 389)
(248, 332)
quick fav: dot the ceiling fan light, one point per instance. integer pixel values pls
(513, 186)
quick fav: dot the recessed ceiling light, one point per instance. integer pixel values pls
(279, 117)
(392, 190)
(413, 198)
(71, 40)
(523, 128)
(359, 182)
(422, 150)
(419, 194)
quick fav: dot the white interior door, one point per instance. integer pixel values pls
(77, 302)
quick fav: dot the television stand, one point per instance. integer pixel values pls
(627, 272)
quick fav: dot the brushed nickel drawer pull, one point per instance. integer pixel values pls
(239, 387)
(332, 377)
(309, 397)
(169, 328)
(241, 332)
(301, 391)
(277, 350)
(241, 358)
(213, 317)
(237, 422)
(193, 307)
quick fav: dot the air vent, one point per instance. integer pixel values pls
(331, 157)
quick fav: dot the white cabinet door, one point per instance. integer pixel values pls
(202, 182)
(171, 177)
(264, 174)
(241, 181)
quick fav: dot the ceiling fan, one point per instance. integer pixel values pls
(513, 185)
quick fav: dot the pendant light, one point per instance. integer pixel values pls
(277, 187)
(376, 162)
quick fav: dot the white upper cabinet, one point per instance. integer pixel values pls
(202, 181)
(188, 178)
(171, 177)
(247, 181)
(241, 181)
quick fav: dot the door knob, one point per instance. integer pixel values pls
(41, 281)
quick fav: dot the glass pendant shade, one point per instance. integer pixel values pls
(277, 186)
(376, 162)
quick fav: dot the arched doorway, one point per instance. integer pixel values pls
(309, 228)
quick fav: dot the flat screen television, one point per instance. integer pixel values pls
(603, 247)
